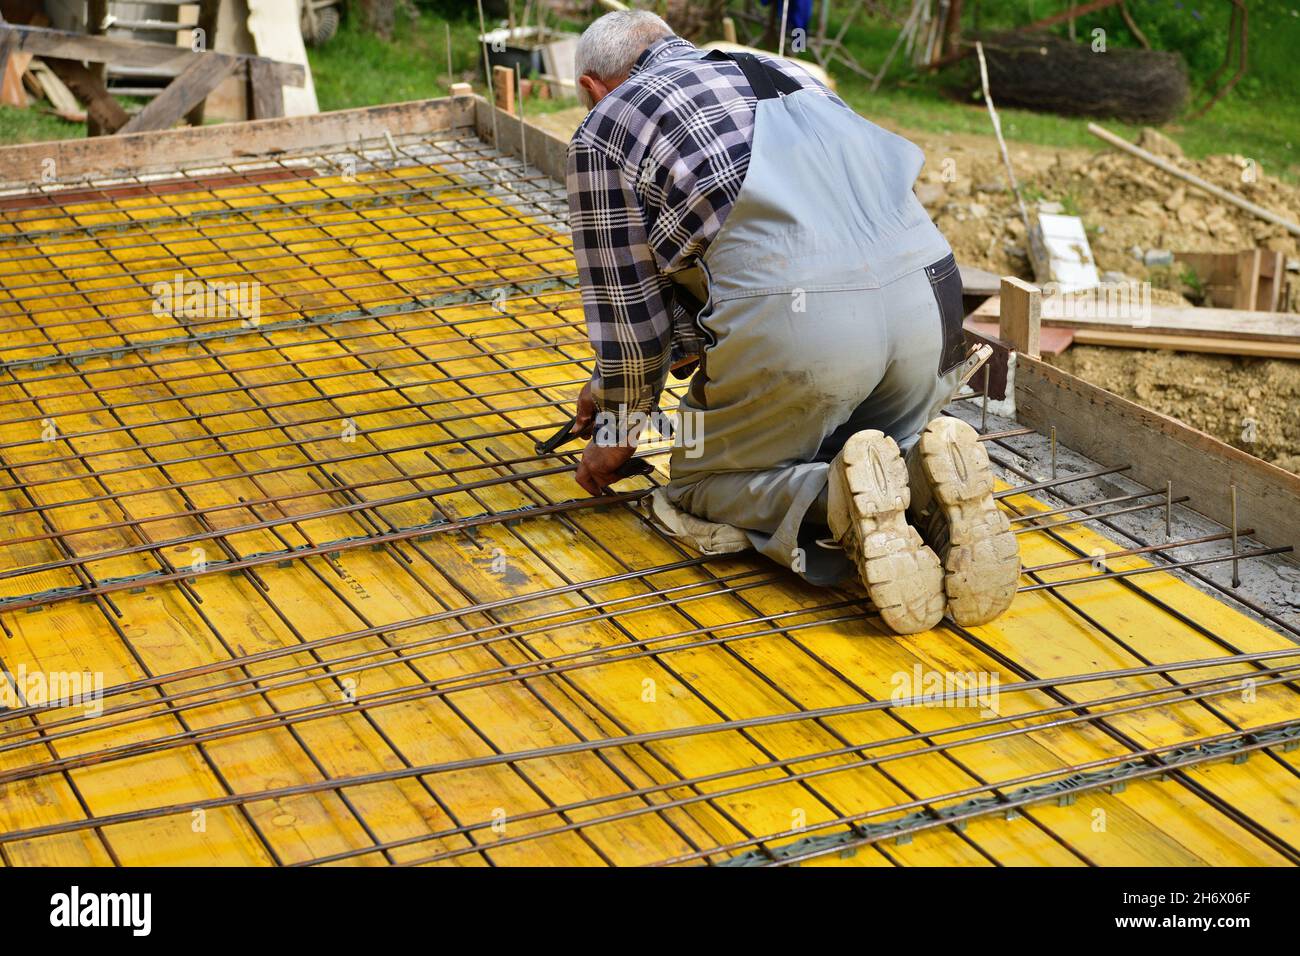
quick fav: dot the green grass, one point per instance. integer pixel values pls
(33, 126)
(358, 69)
(1269, 133)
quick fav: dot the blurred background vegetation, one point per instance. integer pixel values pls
(1260, 118)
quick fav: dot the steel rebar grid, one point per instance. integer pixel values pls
(1007, 805)
(611, 556)
(499, 166)
(1231, 595)
(172, 261)
(523, 479)
(244, 660)
(299, 444)
(839, 768)
(236, 211)
(406, 650)
(608, 743)
(1181, 617)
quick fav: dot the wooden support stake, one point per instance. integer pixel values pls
(503, 85)
(99, 116)
(208, 13)
(1270, 293)
(1020, 316)
(265, 91)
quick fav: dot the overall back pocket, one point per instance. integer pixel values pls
(945, 281)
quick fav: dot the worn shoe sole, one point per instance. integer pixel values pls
(902, 575)
(982, 561)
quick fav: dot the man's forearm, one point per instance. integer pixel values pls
(626, 299)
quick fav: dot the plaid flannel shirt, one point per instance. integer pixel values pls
(652, 173)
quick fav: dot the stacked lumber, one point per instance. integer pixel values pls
(1224, 331)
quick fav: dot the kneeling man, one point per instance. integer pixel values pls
(732, 215)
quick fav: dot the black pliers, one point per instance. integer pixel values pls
(566, 434)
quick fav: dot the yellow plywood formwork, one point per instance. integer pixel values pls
(343, 613)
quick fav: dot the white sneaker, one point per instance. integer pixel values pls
(953, 505)
(866, 507)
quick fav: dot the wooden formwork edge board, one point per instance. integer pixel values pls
(25, 165)
(1114, 431)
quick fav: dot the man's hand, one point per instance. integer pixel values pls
(600, 464)
(584, 421)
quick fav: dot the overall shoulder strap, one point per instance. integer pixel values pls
(767, 81)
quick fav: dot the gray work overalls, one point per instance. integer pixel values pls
(833, 305)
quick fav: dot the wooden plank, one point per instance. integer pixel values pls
(1051, 341)
(8, 41)
(1217, 274)
(977, 281)
(1019, 318)
(189, 89)
(54, 89)
(121, 52)
(101, 118)
(275, 27)
(1232, 324)
(132, 154)
(503, 87)
(1272, 281)
(1114, 431)
(1185, 343)
(265, 92)
(1246, 288)
(98, 49)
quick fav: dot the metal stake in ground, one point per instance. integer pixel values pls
(997, 131)
(487, 70)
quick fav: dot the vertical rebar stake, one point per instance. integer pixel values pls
(1169, 509)
(451, 74)
(984, 406)
(487, 69)
(1236, 579)
(1053, 441)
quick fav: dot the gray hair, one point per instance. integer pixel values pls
(609, 48)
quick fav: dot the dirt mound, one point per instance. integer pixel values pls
(1129, 207)
(1248, 403)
